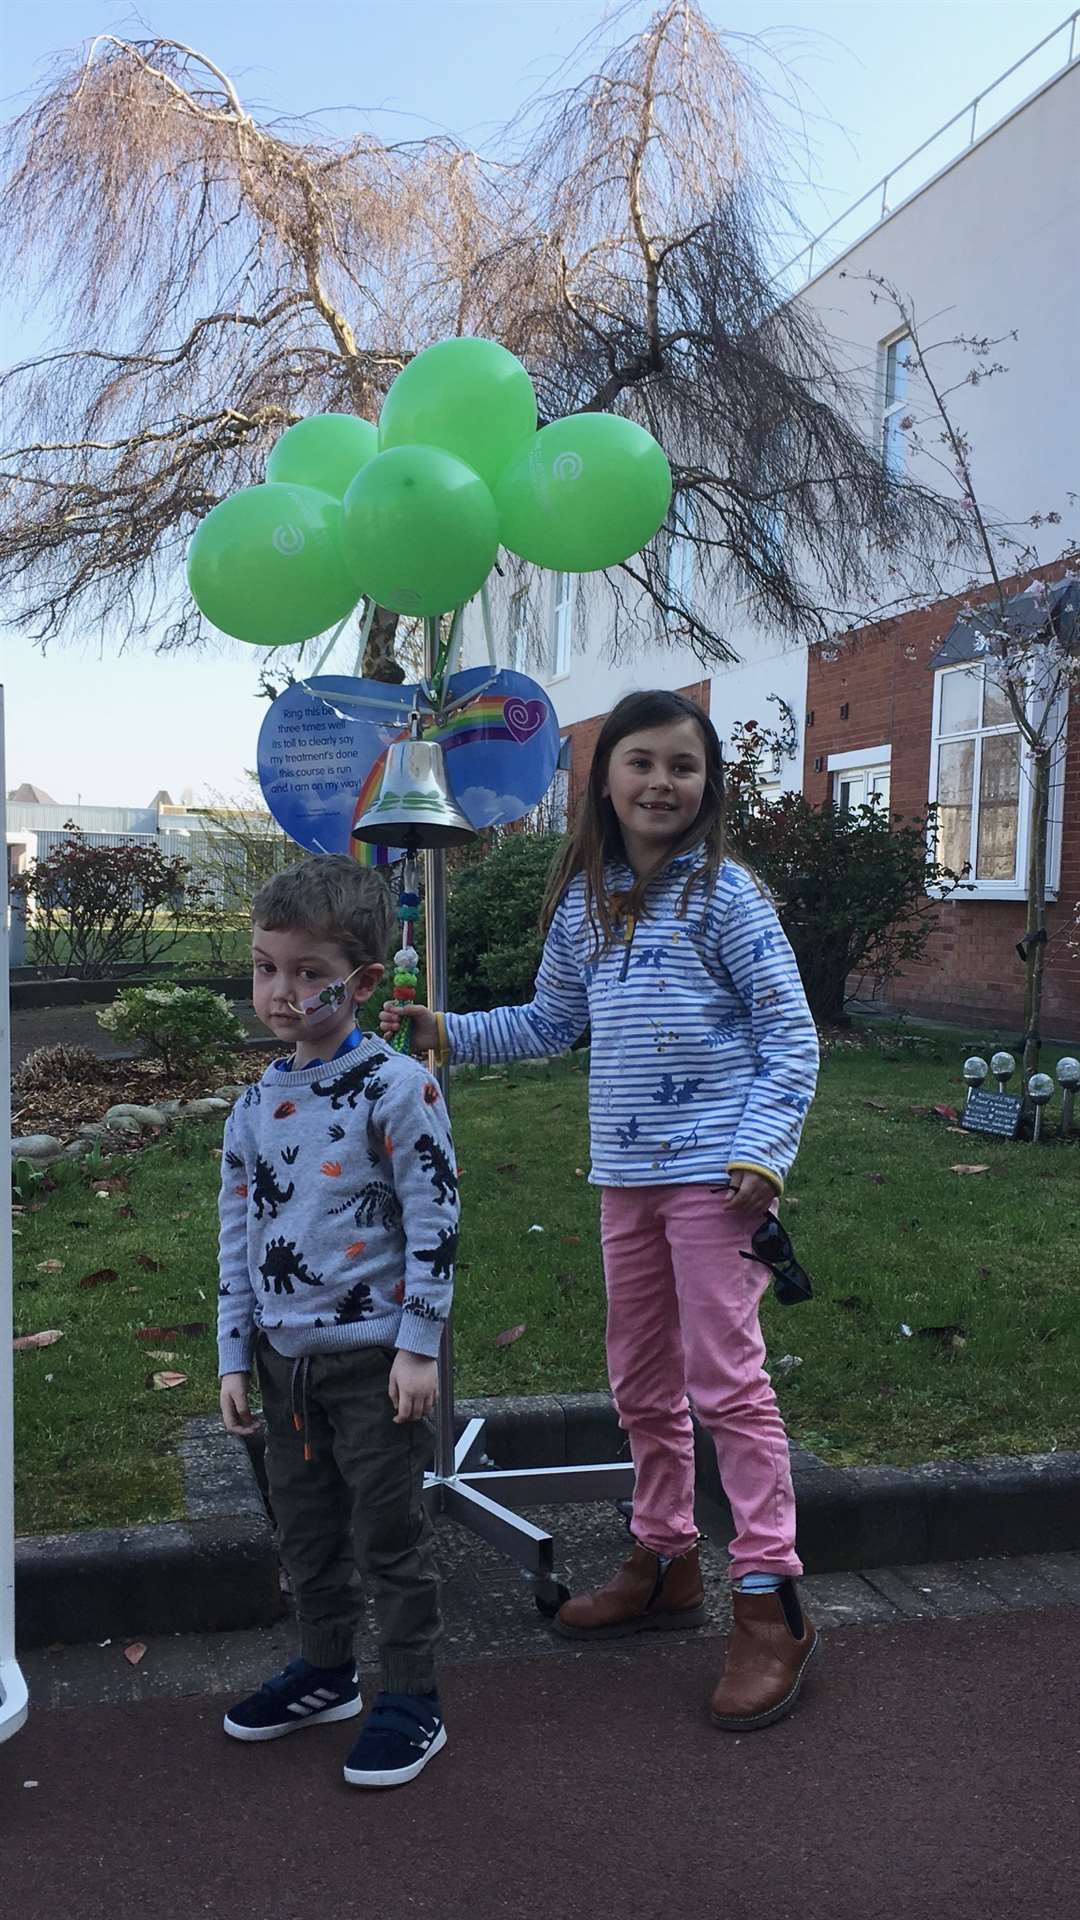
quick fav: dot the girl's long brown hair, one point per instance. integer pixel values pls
(597, 836)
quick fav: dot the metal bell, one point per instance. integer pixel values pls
(415, 807)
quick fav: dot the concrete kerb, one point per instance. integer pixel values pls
(217, 1569)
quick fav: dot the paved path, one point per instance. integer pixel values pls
(931, 1771)
(78, 1026)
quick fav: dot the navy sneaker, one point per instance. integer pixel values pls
(302, 1696)
(403, 1732)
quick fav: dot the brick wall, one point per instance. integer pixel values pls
(583, 735)
(972, 972)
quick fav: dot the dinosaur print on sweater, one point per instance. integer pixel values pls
(265, 1191)
(333, 1247)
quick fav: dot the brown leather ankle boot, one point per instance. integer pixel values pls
(647, 1594)
(771, 1645)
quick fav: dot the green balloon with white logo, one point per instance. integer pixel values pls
(585, 493)
(420, 530)
(266, 565)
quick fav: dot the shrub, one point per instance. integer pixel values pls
(493, 915)
(184, 1027)
(100, 911)
(850, 889)
(48, 1068)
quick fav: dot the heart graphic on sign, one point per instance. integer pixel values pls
(322, 750)
(524, 717)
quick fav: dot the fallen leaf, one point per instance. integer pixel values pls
(26, 1340)
(135, 1652)
(50, 1266)
(162, 1354)
(125, 1213)
(147, 1263)
(946, 1113)
(508, 1166)
(571, 1239)
(507, 1338)
(100, 1278)
(163, 1381)
(966, 1169)
(188, 1330)
(876, 1106)
(963, 1130)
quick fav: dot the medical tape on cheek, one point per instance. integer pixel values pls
(324, 1005)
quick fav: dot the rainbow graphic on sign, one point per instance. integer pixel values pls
(321, 763)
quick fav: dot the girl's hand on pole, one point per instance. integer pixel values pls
(425, 1031)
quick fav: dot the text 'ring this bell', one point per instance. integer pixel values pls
(415, 806)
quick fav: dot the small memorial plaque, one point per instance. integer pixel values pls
(993, 1113)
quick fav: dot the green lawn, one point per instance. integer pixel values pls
(982, 1268)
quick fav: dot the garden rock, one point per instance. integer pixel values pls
(39, 1148)
(128, 1118)
(231, 1094)
(200, 1109)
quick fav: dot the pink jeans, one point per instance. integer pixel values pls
(683, 1321)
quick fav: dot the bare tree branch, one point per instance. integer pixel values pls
(621, 244)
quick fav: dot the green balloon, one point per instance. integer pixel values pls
(470, 397)
(420, 532)
(266, 565)
(325, 451)
(587, 492)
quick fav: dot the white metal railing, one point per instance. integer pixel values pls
(803, 264)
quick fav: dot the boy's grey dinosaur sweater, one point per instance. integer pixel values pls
(339, 1209)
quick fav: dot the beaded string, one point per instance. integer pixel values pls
(406, 959)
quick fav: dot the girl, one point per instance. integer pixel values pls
(703, 1065)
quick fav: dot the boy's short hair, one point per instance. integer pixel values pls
(329, 895)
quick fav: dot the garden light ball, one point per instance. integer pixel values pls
(1003, 1066)
(1068, 1072)
(1040, 1088)
(975, 1070)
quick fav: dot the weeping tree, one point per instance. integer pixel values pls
(208, 277)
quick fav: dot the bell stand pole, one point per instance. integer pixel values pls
(475, 1498)
(13, 1702)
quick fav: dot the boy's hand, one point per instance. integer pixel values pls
(414, 1386)
(235, 1412)
(749, 1193)
(425, 1031)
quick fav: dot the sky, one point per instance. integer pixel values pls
(872, 79)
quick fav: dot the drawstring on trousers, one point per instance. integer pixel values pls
(299, 1416)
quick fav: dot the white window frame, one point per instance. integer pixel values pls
(868, 764)
(563, 596)
(518, 629)
(680, 561)
(1015, 889)
(892, 409)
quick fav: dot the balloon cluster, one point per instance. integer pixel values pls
(410, 515)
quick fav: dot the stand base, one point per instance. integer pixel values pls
(13, 1699)
(474, 1498)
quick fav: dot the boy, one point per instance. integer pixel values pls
(339, 1214)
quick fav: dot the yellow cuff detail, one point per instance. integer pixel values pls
(442, 1051)
(766, 1173)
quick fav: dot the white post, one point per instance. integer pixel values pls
(13, 1701)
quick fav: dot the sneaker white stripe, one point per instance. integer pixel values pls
(301, 1707)
(314, 1701)
(323, 1693)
